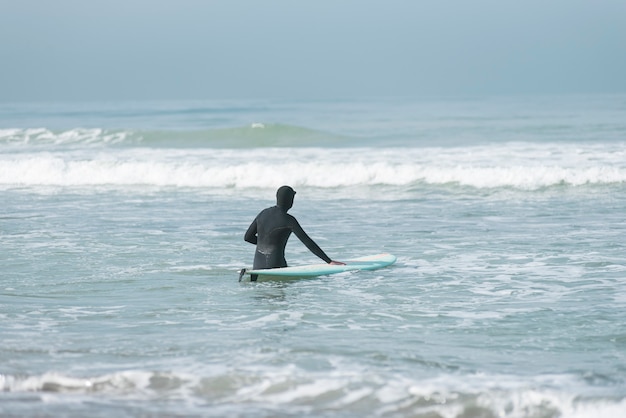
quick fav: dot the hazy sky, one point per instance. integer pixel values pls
(203, 49)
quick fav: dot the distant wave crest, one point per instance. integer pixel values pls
(43, 136)
(254, 135)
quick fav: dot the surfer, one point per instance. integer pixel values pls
(271, 229)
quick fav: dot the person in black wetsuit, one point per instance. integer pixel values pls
(271, 229)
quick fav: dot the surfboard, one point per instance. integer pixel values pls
(370, 262)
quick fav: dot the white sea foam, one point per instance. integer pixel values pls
(520, 166)
(350, 391)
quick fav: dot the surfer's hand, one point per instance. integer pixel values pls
(336, 263)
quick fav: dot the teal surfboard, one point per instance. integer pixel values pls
(370, 262)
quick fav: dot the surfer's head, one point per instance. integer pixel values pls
(284, 197)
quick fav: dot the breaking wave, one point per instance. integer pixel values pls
(286, 392)
(517, 166)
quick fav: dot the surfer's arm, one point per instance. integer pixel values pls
(308, 242)
(251, 233)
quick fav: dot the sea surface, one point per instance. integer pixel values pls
(121, 237)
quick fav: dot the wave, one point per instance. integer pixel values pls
(472, 395)
(53, 171)
(517, 166)
(251, 136)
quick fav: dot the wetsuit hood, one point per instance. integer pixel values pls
(284, 197)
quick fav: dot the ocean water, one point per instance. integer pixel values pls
(121, 235)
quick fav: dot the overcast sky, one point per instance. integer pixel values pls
(315, 49)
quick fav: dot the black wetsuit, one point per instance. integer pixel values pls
(270, 231)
